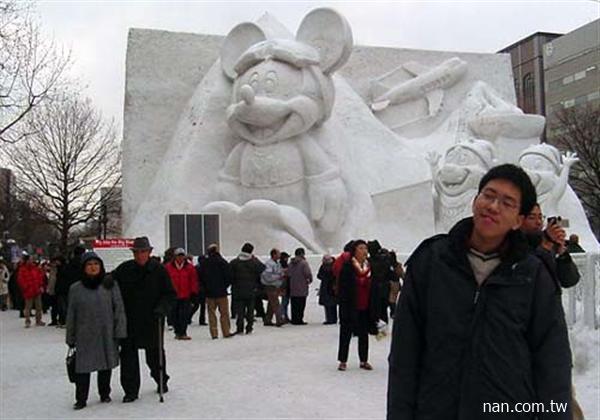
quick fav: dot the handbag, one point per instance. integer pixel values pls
(70, 361)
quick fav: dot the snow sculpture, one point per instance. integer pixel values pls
(549, 172)
(246, 126)
(428, 82)
(282, 90)
(490, 117)
(455, 182)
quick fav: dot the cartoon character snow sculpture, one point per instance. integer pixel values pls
(549, 172)
(282, 93)
(455, 182)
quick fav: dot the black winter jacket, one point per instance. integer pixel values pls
(245, 276)
(68, 276)
(347, 301)
(148, 294)
(562, 268)
(214, 275)
(456, 346)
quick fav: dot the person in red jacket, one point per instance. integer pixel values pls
(31, 282)
(185, 282)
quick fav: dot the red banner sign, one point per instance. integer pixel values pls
(113, 243)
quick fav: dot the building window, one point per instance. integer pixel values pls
(593, 96)
(580, 100)
(568, 103)
(528, 93)
(579, 75)
(568, 79)
(555, 84)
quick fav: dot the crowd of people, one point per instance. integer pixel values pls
(477, 315)
(110, 316)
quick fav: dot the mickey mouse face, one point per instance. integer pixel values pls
(273, 79)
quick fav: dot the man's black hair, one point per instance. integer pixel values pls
(78, 251)
(516, 176)
(248, 248)
(274, 251)
(355, 245)
(299, 252)
(348, 246)
(536, 204)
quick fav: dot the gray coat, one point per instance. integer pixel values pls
(95, 320)
(300, 277)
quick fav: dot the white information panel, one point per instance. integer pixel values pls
(113, 251)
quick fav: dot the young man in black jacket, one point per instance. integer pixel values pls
(550, 246)
(215, 277)
(479, 331)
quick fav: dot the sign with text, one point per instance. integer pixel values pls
(113, 251)
(112, 243)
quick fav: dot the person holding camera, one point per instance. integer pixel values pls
(550, 246)
(95, 324)
(479, 319)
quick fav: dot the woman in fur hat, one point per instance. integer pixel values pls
(95, 323)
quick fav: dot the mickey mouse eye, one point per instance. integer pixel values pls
(254, 81)
(270, 81)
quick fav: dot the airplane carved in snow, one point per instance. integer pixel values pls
(429, 82)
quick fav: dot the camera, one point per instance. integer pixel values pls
(563, 223)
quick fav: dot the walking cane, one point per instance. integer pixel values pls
(160, 359)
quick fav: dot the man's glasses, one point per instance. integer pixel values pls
(490, 196)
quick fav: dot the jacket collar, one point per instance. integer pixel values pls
(244, 256)
(513, 250)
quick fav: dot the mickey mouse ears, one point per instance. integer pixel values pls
(328, 32)
(323, 29)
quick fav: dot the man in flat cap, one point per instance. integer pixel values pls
(148, 295)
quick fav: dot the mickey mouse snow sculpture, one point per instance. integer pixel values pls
(282, 92)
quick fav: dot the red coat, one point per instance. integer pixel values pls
(30, 279)
(185, 279)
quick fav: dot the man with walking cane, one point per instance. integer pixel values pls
(161, 350)
(147, 296)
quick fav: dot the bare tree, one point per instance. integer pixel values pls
(578, 129)
(69, 157)
(31, 68)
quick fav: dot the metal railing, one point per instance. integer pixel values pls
(581, 302)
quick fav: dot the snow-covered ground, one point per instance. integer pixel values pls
(274, 373)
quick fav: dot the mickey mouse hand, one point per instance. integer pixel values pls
(327, 202)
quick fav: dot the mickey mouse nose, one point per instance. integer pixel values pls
(247, 94)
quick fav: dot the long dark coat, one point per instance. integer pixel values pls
(148, 295)
(326, 295)
(347, 301)
(457, 345)
(95, 322)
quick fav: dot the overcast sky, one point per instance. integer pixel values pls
(96, 31)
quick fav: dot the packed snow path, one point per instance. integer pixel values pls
(275, 373)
